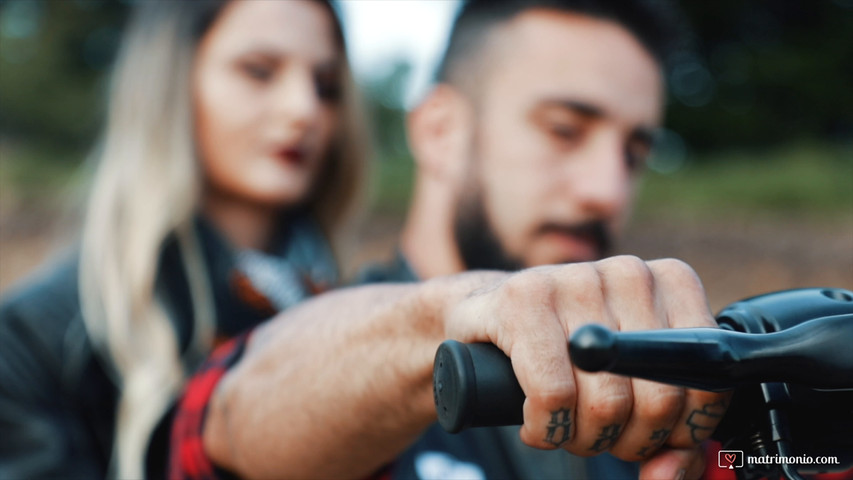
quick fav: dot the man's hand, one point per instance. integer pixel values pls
(340, 385)
(529, 315)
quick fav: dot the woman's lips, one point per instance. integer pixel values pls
(292, 155)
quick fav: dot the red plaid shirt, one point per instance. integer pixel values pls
(187, 458)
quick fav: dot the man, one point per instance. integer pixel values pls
(526, 156)
(527, 150)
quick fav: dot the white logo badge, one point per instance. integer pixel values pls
(441, 466)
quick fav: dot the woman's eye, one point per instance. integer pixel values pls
(328, 85)
(329, 91)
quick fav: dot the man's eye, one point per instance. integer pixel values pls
(636, 154)
(257, 71)
(564, 132)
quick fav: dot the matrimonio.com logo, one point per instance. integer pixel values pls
(730, 459)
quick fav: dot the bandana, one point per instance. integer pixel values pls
(250, 286)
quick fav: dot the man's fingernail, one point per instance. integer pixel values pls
(679, 475)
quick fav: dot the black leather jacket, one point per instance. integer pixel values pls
(57, 403)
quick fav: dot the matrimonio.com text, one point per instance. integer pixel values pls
(732, 459)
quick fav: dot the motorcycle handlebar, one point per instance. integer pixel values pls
(474, 384)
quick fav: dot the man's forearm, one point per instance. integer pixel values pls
(341, 384)
(336, 387)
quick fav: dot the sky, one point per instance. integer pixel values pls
(380, 31)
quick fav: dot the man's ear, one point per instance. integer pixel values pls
(439, 133)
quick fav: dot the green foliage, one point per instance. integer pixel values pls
(777, 71)
(38, 173)
(801, 179)
(393, 181)
(394, 169)
(53, 61)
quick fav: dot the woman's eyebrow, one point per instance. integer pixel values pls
(275, 52)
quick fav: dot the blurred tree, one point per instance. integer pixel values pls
(53, 61)
(767, 72)
(385, 94)
(764, 72)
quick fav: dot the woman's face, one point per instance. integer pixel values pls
(266, 83)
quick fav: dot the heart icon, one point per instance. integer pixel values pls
(731, 457)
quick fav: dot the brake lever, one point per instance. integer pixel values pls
(717, 359)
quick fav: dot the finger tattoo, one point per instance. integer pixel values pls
(607, 437)
(560, 427)
(703, 422)
(658, 438)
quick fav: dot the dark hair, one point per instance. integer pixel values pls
(657, 24)
(201, 14)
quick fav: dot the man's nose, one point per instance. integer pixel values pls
(295, 98)
(602, 184)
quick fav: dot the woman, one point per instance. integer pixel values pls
(230, 156)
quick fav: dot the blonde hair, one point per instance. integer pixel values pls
(146, 189)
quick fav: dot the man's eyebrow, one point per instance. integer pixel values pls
(586, 109)
(578, 106)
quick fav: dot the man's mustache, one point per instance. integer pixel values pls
(595, 231)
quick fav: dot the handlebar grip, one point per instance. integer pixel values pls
(474, 386)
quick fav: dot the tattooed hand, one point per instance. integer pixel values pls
(530, 315)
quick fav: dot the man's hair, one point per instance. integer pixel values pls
(656, 24)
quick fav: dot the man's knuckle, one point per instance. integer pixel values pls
(554, 397)
(609, 409)
(584, 284)
(635, 270)
(662, 408)
(527, 285)
(678, 270)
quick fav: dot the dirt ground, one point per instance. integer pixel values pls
(734, 260)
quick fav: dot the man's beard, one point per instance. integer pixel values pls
(476, 240)
(481, 249)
